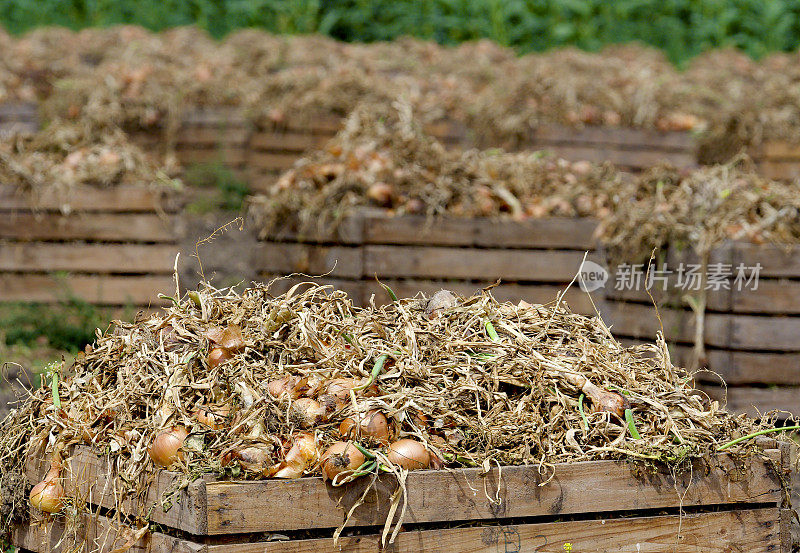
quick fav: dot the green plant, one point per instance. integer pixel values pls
(682, 28)
(231, 190)
(67, 325)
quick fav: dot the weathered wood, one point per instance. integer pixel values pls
(744, 399)
(211, 137)
(779, 169)
(780, 149)
(272, 160)
(228, 155)
(634, 139)
(286, 141)
(776, 261)
(349, 230)
(756, 530)
(448, 495)
(772, 296)
(281, 284)
(87, 258)
(222, 116)
(96, 289)
(471, 264)
(231, 507)
(672, 296)
(549, 233)
(14, 111)
(638, 159)
(577, 300)
(764, 333)
(101, 227)
(285, 258)
(120, 199)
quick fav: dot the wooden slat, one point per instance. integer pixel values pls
(102, 227)
(323, 125)
(119, 199)
(765, 333)
(550, 233)
(631, 138)
(772, 296)
(577, 300)
(754, 531)
(230, 507)
(223, 116)
(780, 149)
(15, 111)
(86, 258)
(96, 289)
(776, 261)
(226, 155)
(779, 170)
(450, 496)
(268, 161)
(286, 258)
(639, 159)
(743, 399)
(195, 136)
(672, 297)
(349, 230)
(471, 264)
(286, 141)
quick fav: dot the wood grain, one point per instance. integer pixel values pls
(634, 139)
(87, 258)
(96, 289)
(285, 258)
(119, 199)
(752, 401)
(94, 227)
(286, 141)
(639, 159)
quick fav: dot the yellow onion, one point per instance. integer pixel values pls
(341, 458)
(229, 338)
(381, 193)
(216, 420)
(302, 455)
(373, 424)
(251, 458)
(218, 356)
(48, 495)
(306, 412)
(409, 454)
(294, 387)
(166, 447)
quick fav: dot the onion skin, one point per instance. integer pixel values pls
(165, 449)
(229, 338)
(307, 412)
(48, 495)
(373, 424)
(216, 420)
(409, 454)
(303, 454)
(381, 193)
(218, 356)
(251, 459)
(341, 458)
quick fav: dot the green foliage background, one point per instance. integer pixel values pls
(682, 28)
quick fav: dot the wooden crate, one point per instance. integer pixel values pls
(777, 159)
(16, 117)
(633, 149)
(751, 335)
(535, 260)
(112, 246)
(720, 505)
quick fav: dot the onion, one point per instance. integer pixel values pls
(443, 299)
(293, 386)
(229, 338)
(409, 454)
(303, 454)
(381, 193)
(251, 459)
(373, 424)
(215, 420)
(217, 356)
(166, 446)
(341, 458)
(48, 495)
(306, 412)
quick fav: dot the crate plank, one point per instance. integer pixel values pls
(549, 233)
(194, 136)
(226, 155)
(270, 161)
(118, 199)
(751, 400)
(754, 531)
(100, 227)
(210, 507)
(752, 332)
(577, 300)
(781, 296)
(285, 258)
(464, 263)
(638, 159)
(779, 169)
(448, 495)
(631, 138)
(349, 230)
(776, 261)
(286, 141)
(96, 289)
(780, 149)
(209, 116)
(86, 258)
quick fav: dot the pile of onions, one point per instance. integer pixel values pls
(48, 495)
(166, 447)
(251, 459)
(303, 455)
(227, 342)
